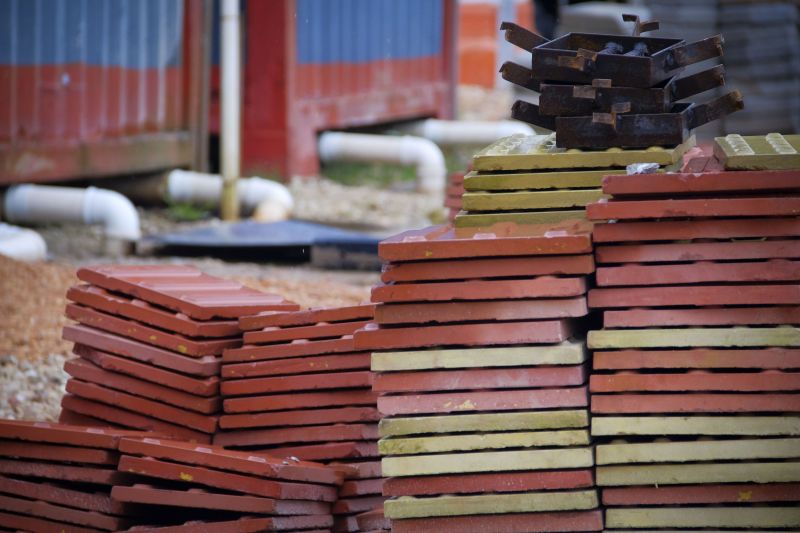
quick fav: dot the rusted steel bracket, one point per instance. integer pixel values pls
(519, 75)
(521, 37)
(640, 27)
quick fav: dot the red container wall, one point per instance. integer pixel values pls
(315, 65)
(96, 87)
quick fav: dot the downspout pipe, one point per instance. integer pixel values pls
(466, 132)
(404, 150)
(231, 107)
(22, 244)
(37, 204)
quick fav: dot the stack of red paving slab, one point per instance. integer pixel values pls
(360, 504)
(455, 189)
(298, 387)
(57, 477)
(483, 387)
(149, 341)
(694, 392)
(179, 486)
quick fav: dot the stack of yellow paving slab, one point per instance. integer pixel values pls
(526, 179)
(695, 388)
(482, 381)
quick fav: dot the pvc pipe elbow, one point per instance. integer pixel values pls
(114, 211)
(22, 244)
(429, 161)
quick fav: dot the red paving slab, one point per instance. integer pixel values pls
(694, 207)
(373, 520)
(61, 472)
(698, 251)
(701, 494)
(679, 230)
(297, 435)
(360, 487)
(695, 403)
(669, 183)
(301, 383)
(154, 336)
(141, 311)
(137, 404)
(494, 267)
(307, 317)
(284, 402)
(54, 433)
(317, 331)
(479, 378)
(333, 451)
(359, 469)
(201, 499)
(195, 386)
(246, 525)
(304, 417)
(707, 316)
(56, 452)
(783, 294)
(504, 523)
(299, 348)
(488, 482)
(498, 333)
(514, 400)
(196, 366)
(776, 358)
(86, 371)
(770, 380)
(502, 289)
(16, 522)
(68, 417)
(59, 513)
(242, 462)
(505, 239)
(357, 505)
(299, 365)
(480, 311)
(184, 289)
(69, 497)
(129, 419)
(701, 272)
(258, 486)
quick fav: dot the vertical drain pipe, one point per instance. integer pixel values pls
(230, 87)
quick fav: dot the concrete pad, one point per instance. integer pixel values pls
(521, 181)
(701, 272)
(483, 441)
(697, 251)
(677, 183)
(488, 482)
(766, 358)
(694, 207)
(499, 289)
(550, 216)
(683, 452)
(696, 425)
(780, 472)
(508, 523)
(704, 316)
(477, 379)
(504, 461)
(754, 517)
(771, 380)
(410, 507)
(684, 230)
(521, 200)
(695, 337)
(480, 311)
(566, 353)
(474, 423)
(695, 403)
(697, 296)
(702, 494)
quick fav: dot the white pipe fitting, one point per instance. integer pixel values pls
(255, 194)
(22, 244)
(404, 150)
(44, 203)
(472, 132)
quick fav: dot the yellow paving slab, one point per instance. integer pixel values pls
(482, 441)
(530, 502)
(758, 152)
(535, 152)
(694, 337)
(757, 517)
(520, 181)
(566, 353)
(783, 472)
(695, 425)
(521, 200)
(505, 461)
(482, 422)
(472, 220)
(683, 452)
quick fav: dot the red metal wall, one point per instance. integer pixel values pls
(315, 65)
(96, 87)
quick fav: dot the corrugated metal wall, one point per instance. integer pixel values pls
(77, 71)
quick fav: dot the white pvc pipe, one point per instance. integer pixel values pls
(404, 150)
(230, 84)
(22, 244)
(253, 193)
(44, 203)
(449, 132)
